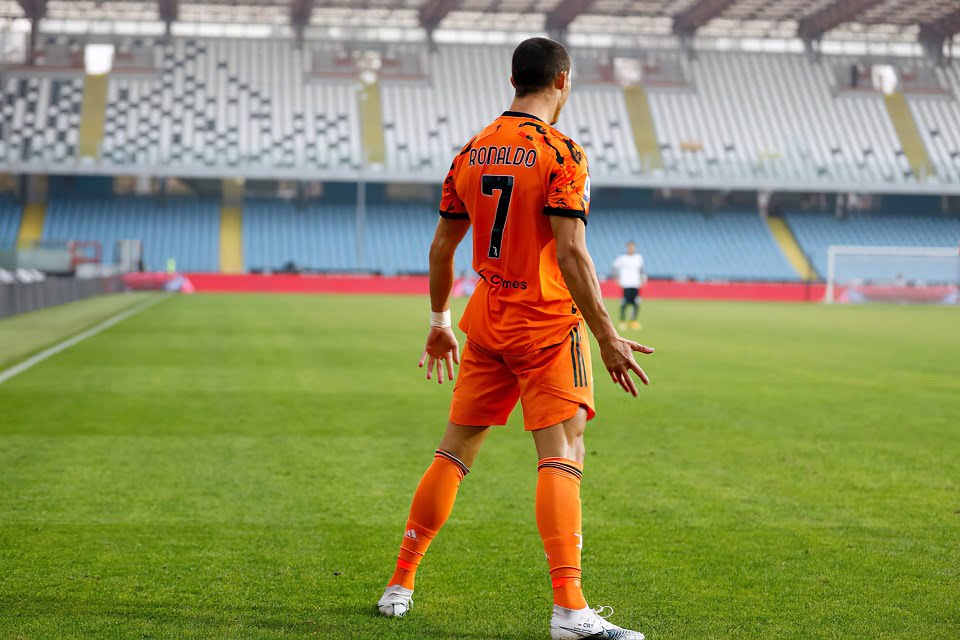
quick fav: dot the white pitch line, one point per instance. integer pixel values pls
(69, 342)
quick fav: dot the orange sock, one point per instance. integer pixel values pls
(432, 504)
(559, 521)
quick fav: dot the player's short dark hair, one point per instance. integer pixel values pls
(536, 63)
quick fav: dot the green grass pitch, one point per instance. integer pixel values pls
(241, 467)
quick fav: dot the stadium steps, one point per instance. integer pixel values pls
(93, 115)
(31, 224)
(231, 240)
(231, 226)
(644, 129)
(909, 135)
(791, 248)
(371, 123)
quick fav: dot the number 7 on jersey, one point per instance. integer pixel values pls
(503, 184)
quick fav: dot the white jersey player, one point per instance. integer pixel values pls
(630, 274)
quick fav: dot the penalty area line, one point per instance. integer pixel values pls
(80, 337)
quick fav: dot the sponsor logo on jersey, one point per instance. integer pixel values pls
(497, 280)
(503, 155)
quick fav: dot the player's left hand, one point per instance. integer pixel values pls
(442, 349)
(617, 355)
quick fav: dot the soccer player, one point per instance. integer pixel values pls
(525, 188)
(631, 276)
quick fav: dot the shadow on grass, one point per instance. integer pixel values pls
(420, 629)
(31, 615)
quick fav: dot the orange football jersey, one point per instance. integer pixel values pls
(508, 180)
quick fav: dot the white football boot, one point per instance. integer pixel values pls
(570, 624)
(396, 601)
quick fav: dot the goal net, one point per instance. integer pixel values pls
(901, 275)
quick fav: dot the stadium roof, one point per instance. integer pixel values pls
(930, 20)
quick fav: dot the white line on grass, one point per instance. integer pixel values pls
(69, 342)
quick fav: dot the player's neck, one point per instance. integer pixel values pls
(537, 105)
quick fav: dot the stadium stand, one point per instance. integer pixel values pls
(675, 242)
(324, 237)
(426, 124)
(186, 229)
(10, 211)
(39, 118)
(316, 237)
(231, 103)
(773, 115)
(734, 245)
(727, 245)
(301, 110)
(265, 104)
(748, 115)
(398, 239)
(816, 231)
(938, 120)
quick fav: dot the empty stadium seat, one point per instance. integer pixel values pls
(816, 231)
(317, 236)
(676, 242)
(728, 245)
(39, 119)
(264, 104)
(938, 121)
(685, 243)
(185, 229)
(774, 115)
(10, 212)
(399, 236)
(323, 237)
(230, 103)
(426, 124)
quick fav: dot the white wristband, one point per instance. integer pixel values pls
(440, 319)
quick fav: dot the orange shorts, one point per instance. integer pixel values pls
(551, 383)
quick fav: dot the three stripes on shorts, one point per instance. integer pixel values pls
(580, 378)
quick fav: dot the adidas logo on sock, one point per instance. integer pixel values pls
(412, 534)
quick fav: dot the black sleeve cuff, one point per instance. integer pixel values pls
(449, 215)
(565, 213)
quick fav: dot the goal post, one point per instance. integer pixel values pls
(892, 274)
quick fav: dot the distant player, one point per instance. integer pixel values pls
(525, 188)
(629, 271)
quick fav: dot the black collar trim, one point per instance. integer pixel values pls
(521, 114)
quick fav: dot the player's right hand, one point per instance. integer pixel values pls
(617, 356)
(442, 349)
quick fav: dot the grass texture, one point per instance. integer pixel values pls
(241, 467)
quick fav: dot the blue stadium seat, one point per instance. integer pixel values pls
(324, 237)
(316, 236)
(729, 245)
(684, 243)
(675, 242)
(398, 239)
(185, 229)
(816, 231)
(10, 213)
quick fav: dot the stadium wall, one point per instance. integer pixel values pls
(418, 285)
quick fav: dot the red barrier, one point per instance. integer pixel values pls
(418, 285)
(899, 294)
(157, 281)
(758, 291)
(288, 283)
